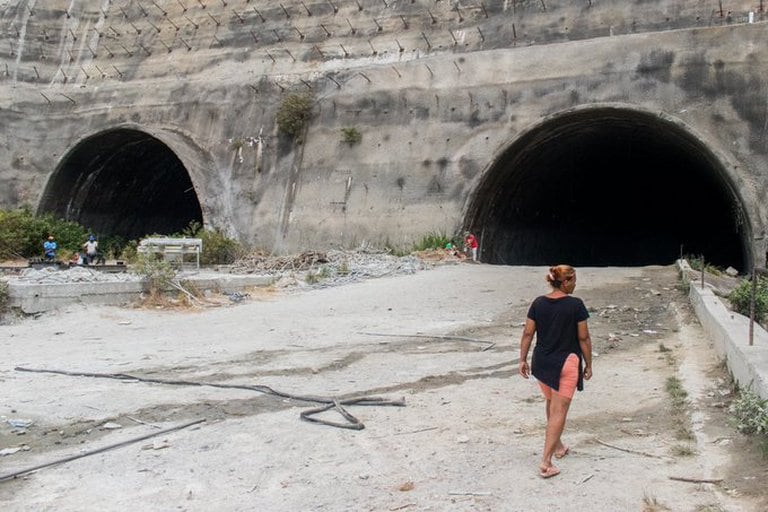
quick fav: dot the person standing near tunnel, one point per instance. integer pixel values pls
(562, 358)
(470, 245)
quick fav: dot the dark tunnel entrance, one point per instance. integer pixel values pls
(123, 183)
(608, 187)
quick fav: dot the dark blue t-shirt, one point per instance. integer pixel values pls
(557, 336)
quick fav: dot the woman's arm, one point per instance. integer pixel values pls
(525, 346)
(585, 342)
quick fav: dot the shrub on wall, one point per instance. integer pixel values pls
(351, 136)
(294, 114)
(740, 298)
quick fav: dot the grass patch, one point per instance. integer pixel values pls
(676, 391)
(432, 241)
(684, 433)
(5, 297)
(651, 504)
(320, 275)
(668, 354)
(683, 450)
(741, 296)
(395, 250)
(683, 286)
(710, 508)
(679, 396)
(697, 262)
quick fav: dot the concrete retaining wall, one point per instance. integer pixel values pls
(729, 332)
(437, 91)
(37, 298)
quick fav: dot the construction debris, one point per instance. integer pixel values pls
(332, 268)
(261, 262)
(310, 267)
(50, 275)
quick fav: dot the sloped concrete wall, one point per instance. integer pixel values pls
(438, 91)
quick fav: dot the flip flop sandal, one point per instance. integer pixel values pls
(549, 472)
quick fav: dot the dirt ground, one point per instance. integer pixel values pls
(445, 340)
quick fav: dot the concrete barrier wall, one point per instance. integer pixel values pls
(729, 332)
(38, 298)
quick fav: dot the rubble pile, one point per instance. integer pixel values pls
(50, 275)
(328, 269)
(309, 268)
(260, 262)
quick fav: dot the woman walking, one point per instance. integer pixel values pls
(562, 358)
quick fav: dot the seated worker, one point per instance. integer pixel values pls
(49, 249)
(76, 259)
(91, 248)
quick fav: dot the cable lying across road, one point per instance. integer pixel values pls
(22, 472)
(331, 402)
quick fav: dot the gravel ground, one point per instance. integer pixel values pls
(443, 339)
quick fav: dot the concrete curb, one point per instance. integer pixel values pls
(36, 298)
(729, 331)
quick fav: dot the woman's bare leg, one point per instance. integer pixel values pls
(560, 449)
(557, 410)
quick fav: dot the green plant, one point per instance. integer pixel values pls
(157, 273)
(683, 286)
(294, 114)
(394, 250)
(751, 415)
(4, 296)
(130, 251)
(112, 247)
(351, 136)
(751, 412)
(22, 233)
(432, 241)
(218, 248)
(740, 298)
(697, 262)
(322, 273)
(675, 389)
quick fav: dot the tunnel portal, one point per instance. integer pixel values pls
(123, 183)
(607, 187)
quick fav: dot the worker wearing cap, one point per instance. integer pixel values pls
(49, 249)
(91, 248)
